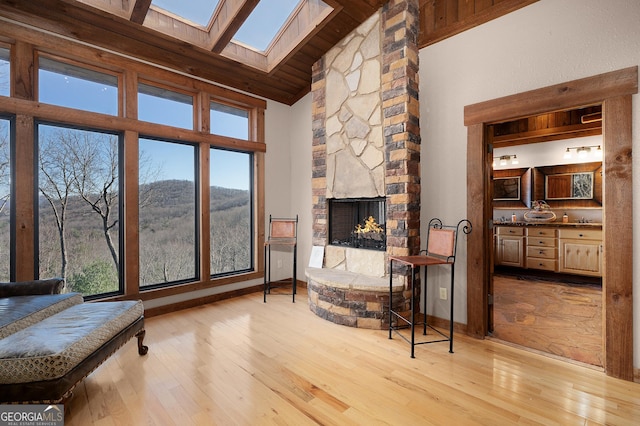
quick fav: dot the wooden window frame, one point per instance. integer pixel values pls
(23, 105)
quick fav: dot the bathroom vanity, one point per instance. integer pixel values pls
(571, 248)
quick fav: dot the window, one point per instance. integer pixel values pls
(167, 212)
(5, 199)
(79, 208)
(73, 173)
(231, 211)
(71, 86)
(196, 11)
(5, 71)
(229, 121)
(264, 22)
(163, 106)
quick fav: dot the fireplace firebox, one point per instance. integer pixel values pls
(358, 222)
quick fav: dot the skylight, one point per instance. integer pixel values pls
(256, 33)
(263, 24)
(197, 11)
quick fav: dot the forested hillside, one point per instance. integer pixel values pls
(168, 230)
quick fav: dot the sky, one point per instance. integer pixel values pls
(228, 169)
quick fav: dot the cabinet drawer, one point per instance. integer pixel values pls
(541, 242)
(541, 252)
(541, 232)
(544, 264)
(509, 230)
(581, 234)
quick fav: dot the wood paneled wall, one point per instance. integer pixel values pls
(440, 19)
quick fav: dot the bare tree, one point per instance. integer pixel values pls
(56, 183)
(95, 176)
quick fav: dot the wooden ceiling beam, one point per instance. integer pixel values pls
(139, 11)
(229, 17)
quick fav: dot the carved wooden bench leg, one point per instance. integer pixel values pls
(142, 349)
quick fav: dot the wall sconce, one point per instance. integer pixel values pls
(503, 160)
(584, 151)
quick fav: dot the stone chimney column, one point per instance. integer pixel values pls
(398, 93)
(401, 124)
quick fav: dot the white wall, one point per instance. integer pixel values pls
(278, 179)
(546, 43)
(299, 123)
(548, 153)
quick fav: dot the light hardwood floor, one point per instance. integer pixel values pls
(243, 362)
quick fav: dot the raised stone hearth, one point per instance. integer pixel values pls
(352, 299)
(353, 288)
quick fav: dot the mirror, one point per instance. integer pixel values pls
(506, 188)
(569, 185)
(512, 188)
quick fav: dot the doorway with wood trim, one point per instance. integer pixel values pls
(613, 90)
(545, 287)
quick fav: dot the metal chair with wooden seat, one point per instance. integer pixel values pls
(441, 250)
(282, 232)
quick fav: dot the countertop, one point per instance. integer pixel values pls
(550, 224)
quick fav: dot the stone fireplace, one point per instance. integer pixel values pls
(366, 146)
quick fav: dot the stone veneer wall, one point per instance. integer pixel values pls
(401, 111)
(353, 124)
(398, 93)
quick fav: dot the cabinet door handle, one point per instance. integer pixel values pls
(541, 252)
(580, 235)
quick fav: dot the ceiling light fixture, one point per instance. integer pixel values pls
(503, 160)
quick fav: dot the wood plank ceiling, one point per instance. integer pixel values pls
(284, 78)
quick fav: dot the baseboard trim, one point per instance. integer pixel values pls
(192, 303)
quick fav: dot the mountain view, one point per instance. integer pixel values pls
(167, 228)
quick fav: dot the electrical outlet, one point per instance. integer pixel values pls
(279, 263)
(443, 293)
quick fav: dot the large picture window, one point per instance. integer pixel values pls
(79, 208)
(103, 186)
(231, 211)
(167, 212)
(5, 199)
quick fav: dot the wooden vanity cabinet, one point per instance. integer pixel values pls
(580, 251)
(556, 249)
(542, 248)
(509, 246)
